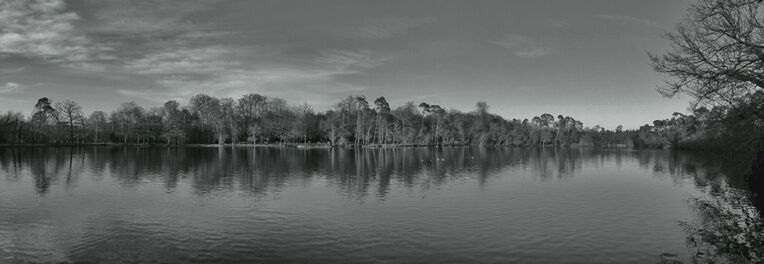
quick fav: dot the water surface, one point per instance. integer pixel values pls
(407, 205)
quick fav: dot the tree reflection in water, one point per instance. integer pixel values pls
(729, 227)
(263, 170)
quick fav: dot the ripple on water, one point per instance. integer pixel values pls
(285, 206)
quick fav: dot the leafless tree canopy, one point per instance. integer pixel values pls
(717, 54)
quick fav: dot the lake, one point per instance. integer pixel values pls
(402, 205)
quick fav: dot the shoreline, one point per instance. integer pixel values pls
(305, 146)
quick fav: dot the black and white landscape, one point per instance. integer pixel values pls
(357, 131)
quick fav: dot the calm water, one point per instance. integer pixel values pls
(272, 205)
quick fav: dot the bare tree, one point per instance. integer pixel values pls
(439, 113)
(97, 120)
(210, 111)
(250, 108)
(72, 112)
(717, 54)
(305, 114)
(127, 116)
(229, 115)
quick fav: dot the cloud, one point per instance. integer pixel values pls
(522, 46)
(318, 81)
(144, 17)
(628, 20)
(558, 23)
(116, 35)
(295, 85)
(168, 44)
(387, 28)
(182, 60)
(348, 61)
(533, 52)
(11, 71)
(183, 72)
(11, 87)
(44, 29)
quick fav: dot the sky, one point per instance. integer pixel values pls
(586, 59)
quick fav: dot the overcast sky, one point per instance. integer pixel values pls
(586, 59)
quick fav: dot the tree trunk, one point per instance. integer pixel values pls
(421, 127)
(435, 133)
(71, 130)
(384, 131)
(18, 132)
(358, 129)
(379, 129)
(220, 136)
(333, 137)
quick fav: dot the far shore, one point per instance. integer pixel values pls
(301, 145)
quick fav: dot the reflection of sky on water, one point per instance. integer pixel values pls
(279, 204)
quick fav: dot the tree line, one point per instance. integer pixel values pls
(353, 121)
(258, 119)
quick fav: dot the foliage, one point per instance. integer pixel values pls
(730, 229)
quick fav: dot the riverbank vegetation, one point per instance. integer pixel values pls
(353, 121)
(717, 57)
(257, 119)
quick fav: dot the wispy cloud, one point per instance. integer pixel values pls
(386, 28)
(345, 60)
(533, 52)
(184, 60)
(180, 73)
(11, 87)
(317, 81)
(628, 20)
(12, 70)
(116, 32)
(522, 46)
(314, 85)
(44, 29)
(145, 17)
(164, 43)
(558, 23)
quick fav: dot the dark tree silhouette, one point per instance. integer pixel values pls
(717, 54)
